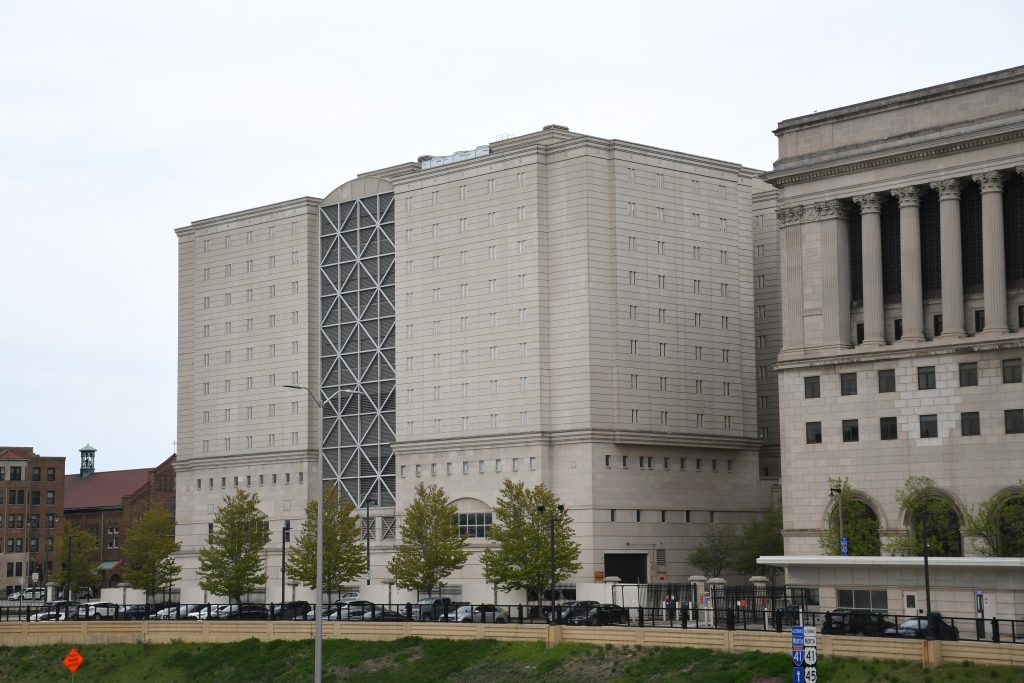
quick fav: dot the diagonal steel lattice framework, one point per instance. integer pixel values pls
(357, 347)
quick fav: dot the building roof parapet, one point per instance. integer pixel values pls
(298, 202)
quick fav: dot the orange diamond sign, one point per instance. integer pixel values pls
(73, 660)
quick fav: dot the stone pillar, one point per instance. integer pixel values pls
(871, 260)
(791, 248)
(993, 251)
(910, 263)
(835, 272)
(952, 262)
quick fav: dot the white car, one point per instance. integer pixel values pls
(96, 610)
(489, 614)
(47, 616)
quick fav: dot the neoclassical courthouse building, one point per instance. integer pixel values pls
(901, 234)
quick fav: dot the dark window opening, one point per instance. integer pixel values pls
(886, 381)
(848, 383)
(1011, 371)
(1014, 421)
(897, 329)
(968, 374)
(929, 426)
(891, 286)
(970, 424)
(970, 238)
(851, 431)
(926, 377)
(887, 428)
(813, 432)
(812, 387)
(931, 250)
(979, 320)
(937, 325)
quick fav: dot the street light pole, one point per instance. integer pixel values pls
(318, 641)
(555, 616)
(366, 530)
(927, 581)
(286, 532)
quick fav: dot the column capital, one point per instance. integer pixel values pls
(991, 181)
(833, 208)
(908, 196)
(949, 188)
(870, 202)
(789, 216)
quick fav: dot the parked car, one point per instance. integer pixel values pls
(490, 614)
(856, 622)
(380, 615)
(351, 595)
(568, 609)
(245, 611)
(28, 594)
(600, 615)
(47, 616)
(175, 612)
(135, 612)
(343, 607)
(92, 611)
(917, 627)
(433, 609)
(290, 610)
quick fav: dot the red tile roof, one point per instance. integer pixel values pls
(102, 489)
(16, 452)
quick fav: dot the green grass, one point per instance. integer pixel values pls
(410, 660)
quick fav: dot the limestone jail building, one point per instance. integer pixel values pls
(597, 315)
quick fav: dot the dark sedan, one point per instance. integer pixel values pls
(600, 615)
(856, 622)
(917, 627)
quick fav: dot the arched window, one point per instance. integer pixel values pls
(860, 525)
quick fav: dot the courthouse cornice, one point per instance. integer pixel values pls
(831, 357)
(675, 440)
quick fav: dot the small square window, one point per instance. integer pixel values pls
(851, 431)
(812, 387)
(1014, 421)
(886, 381)
(813, 432)
(968, 374)
(970, 424)
(926, 377)
(848, 383)
(1011, 371)
(887, 428)
(929, 426)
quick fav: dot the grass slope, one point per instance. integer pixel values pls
(411, 659)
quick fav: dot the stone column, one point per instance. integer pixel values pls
(952, 263)
(910, 263)
(871, 260)
(791, 248)
(835, 272)
(993, 251)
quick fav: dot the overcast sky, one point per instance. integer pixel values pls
(120, 121)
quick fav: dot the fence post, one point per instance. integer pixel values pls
(640, 613)
(995, 630)
(730, 619)
(408, 611)
(684, 616)
(519, 612)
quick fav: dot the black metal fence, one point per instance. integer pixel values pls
(727, 611)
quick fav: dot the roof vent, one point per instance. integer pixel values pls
(555, 126)
(424, 157)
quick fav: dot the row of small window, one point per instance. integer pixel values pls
(970, 425)
(464, 423)
(251, 383)
(250, 354)
(699, 352)
(925, 379)
(250, 324)
(17, 545)
(248, 238)
(250, 293)
(436, 231)
(697, 221)
(250, 265)
(247, 413)
(437, 327)
(979, 325)
(251, 442)
(237, 481)
(18, 497)
(614, 516)
(482, 465)
(658, 181)
(635, 278)
(647, 462)
(700, 386)
(463, 390)
(437, 359)
(696, 253)
(699, 419)
(16, 521)
(490, 185)
(35, 473)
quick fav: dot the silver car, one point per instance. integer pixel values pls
(480, 614)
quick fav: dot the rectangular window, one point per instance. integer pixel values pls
(970, 424)
(968, 374)
(813, 432)
(877, 600)
(936, 325)
(812, 387)
(1014, 420)
(887, 428)
(1011, 371)
(979, 320)
(848, 384)
(533, 463)
(851, 431)
(886, 381)
(926, 377)
(897, 329)
(929, 426)
(474, 524)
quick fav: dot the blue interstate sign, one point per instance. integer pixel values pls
(798, 636)
(798, 675)
(798, 657)
(844, 546)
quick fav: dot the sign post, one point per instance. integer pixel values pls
(844, 547)
(72, 660)
(805, 654)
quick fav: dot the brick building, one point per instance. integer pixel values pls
(107, 503)
(32, 497)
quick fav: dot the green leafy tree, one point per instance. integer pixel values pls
(343, 554)
(149, 549)
(996, 526)
(231, 563)
(919, 499)
(431, 547)
(84, 551)
(716, 552)
(522, 558)
(860, 524)
(761, 537)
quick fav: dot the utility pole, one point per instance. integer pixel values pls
(555, 616)
(286, 535)
(366, 529)
(927, 582)
(836, 491)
